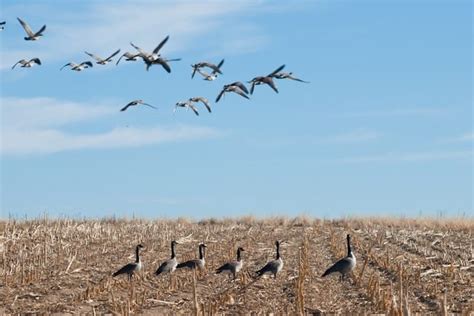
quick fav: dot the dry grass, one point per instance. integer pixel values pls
(404, 266)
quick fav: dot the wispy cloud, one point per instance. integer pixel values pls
(102, 28)
(410, 157)
(464, 138)
(35, 126)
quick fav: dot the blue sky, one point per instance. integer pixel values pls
(384, 127)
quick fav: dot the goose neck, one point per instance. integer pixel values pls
(173, 254)
(137, 255)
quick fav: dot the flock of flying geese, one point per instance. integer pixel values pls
(207, 70)
(343, 266)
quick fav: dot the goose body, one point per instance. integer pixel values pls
(135, 103)
(203, 101)
(102, 61)
(236, 87)
(344, 265)
(215, 69)
(287, 75)
(273, 266)
(168, 266)
(155, 54)
(186, 104)
(28, 63)
(128, 57)
(195, 263)
(32, 36)
(232, 267)
(78, 67)
(268, 80)
(132, 267)
(159, 61)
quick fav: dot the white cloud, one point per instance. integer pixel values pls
(102, 27)
(467, 137)
(33, 126)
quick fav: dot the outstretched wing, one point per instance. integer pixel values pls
(111, 56)
(87, 63)
(165, 65)
(36, 61)
(218, 69)
(68, 64)
(19, 62)
(220, 95)
(162, 43)
(40, 31)
(276, 71)
(26, 27)
(241, 86)
(95, 57)
(141, 51)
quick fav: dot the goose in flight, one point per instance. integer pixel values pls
(186, 104)
(135, 103)
(215, 69)
(128, 57)
(287, 75)
(159, 61)
(101, 61)
(236, 87)
(31, 36)
(132, 267)
(155, 54)
(2, 25)
(268, 79)
(203, 101)
(78, 67)
(273, 266)
(28, 63)
(344, 265)
(232, 267)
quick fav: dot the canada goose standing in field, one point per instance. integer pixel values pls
(102, 61)
(236, 87)
(169, 266)
(135, 103)
(2, 25)
(234, 266)
(132, 267)
(128, 57)
(268, 79)
(78, 67)
(31, 36)
(273, 266)
(28, 63)
(287, 75)
(186, 104)
(344, 265)
(215, 69)
(203, 101)
(195, 263)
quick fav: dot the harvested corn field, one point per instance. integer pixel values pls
(66, 266)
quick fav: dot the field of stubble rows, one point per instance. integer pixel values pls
(403, 266)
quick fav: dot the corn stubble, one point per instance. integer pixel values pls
(404, 266)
